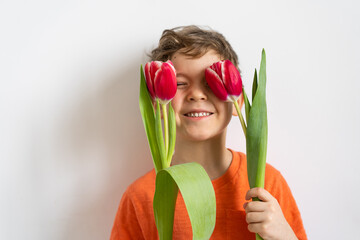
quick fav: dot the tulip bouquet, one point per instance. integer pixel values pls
(158, 86)
(224, 80)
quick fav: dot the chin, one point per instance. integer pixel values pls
(197, 138)
(201, 136)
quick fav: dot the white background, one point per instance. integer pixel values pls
(71, 136)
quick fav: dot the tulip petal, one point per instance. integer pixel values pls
(171, 65)
(217, 68)
(165, 83)
(154, 67)
(148, 79)
(232, 79)
(215, 83)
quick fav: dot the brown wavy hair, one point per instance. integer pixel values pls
(192, 41)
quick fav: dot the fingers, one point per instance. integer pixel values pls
(258, 228)
(265, 217)
(260, 193)
(254, 217)
(254, 207)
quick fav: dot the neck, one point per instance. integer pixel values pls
(212, 154)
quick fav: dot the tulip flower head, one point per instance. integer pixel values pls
(224, 80)
(160, 79)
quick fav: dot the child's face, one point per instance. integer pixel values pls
(193, 96)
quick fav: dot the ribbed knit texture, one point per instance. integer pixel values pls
(135, 217)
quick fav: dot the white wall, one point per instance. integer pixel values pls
(71, 136)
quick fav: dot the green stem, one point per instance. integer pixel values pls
(166, 128)
(240, 117)
(159, 136)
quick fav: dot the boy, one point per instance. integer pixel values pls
(202, 139)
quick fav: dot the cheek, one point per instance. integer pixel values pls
(230, 108)
(227, 109)
(176, 104)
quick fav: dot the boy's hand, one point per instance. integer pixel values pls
(265, 217)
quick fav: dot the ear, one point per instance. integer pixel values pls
(240, 102)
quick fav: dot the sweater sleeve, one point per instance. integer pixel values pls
(126, 225)
(279, 188)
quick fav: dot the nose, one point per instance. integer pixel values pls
(197, 93)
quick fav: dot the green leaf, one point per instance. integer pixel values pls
(148, 117)
(164, 202)
(254, 86)
(159, 135)
(198, 194)
(247, 105)
(172, 134)
(257, 131)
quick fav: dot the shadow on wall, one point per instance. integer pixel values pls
(105, 127)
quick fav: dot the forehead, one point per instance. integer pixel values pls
(194, 66)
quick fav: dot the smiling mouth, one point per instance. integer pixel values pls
(198, 114)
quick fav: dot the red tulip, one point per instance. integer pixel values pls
(161, 80)
(224, 80)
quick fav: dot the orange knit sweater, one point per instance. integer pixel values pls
(135, 217)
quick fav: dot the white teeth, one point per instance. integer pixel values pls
(201, 114)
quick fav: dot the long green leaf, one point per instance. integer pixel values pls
(247, 106)
(254, 86)
(198, 194)
(172, 134)
(165, 196)
(148, 117)
(257, 130)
